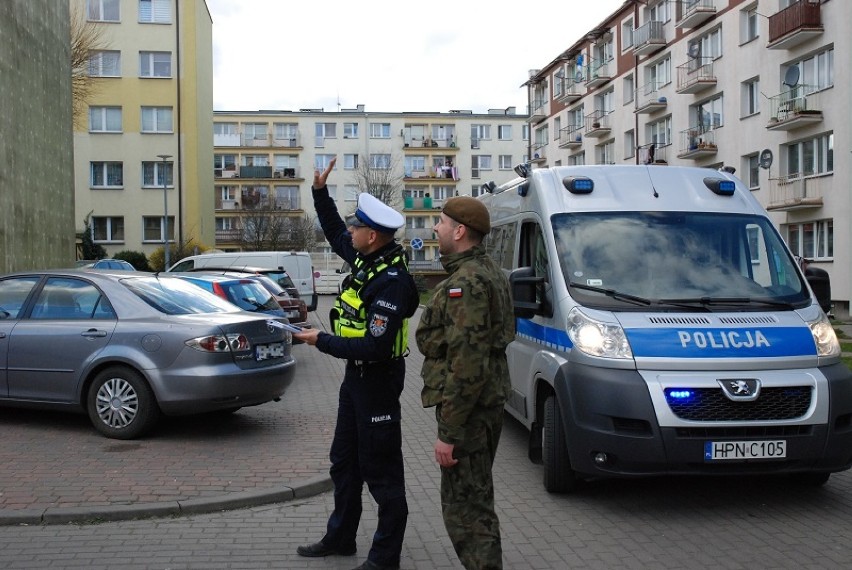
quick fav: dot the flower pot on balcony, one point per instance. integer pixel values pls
(596, 125)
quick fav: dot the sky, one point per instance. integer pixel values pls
(397, 56)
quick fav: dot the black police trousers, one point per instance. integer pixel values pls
(367, 448)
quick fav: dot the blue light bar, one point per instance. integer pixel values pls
(578, 184)
(720, 186)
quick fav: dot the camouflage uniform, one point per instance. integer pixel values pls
(463, 334)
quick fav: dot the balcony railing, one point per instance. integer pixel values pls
(571, 136)
(597, 124)
(287, 142)
(264, 203)
(255, 172)
(226, 140)
(231, 235)
(696, 75)
(422, 233)
(256, 140)
(798, 107)
(794, 24)
(652, 153)
(538, 110)
(695, 12)
(796, 192)
(285, 172)
(697, 142)
(649, 38)
(572, 89)
(649, 99)
(539, 150)
(599, 73)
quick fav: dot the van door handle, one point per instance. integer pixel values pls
(2, 335)
(93, 333)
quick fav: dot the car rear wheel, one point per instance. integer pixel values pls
(558, 475)
(120, 403)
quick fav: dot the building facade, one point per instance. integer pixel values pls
(264, 164)
(758, 85)
(144, 148)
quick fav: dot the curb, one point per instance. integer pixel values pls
(83, 515)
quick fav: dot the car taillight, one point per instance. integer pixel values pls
(233, 342)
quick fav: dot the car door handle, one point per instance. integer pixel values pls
(2, 335)
(93, 333)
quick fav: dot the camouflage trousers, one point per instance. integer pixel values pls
(467, 494)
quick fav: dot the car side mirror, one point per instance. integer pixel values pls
(821, 286)
(524, 284)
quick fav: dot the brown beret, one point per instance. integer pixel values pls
(469, 212)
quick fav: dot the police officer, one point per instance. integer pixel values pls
(463, 334)
(370, 322)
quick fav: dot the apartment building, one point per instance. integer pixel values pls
(264, 163)
(750, 84)
(144, 148)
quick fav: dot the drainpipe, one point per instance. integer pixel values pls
(179, 213)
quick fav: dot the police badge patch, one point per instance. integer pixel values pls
(378, 325)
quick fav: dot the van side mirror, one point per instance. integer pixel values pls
(820, 284)
(524, 284)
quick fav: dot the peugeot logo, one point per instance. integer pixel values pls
(740, 390)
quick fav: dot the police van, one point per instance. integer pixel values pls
(663, 327)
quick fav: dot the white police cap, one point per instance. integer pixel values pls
(373, 213)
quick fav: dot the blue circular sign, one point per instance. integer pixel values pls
(416, 243)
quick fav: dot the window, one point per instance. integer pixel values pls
(709, 114)
(105, 119)
(605, 153)
(710, 45)
(285, 131)
(810, 157)
(324, 131)
(557, 127)
(152, 229)
(105, 64)
(350, 192)
(225, 161)
(813, 240)
(255, 131)
(350, 161)
(815, 72)
(576, 118)
(749, 29)
(108, 229)
(321, 161)
(287, 198)
(558, 79)
(479, 132)
(103, 11)
(225, 224)
(629, 144)
(415, 166)
(505, 161)
(155, 11)
(629, 90)
(525, 132)
(155, 64)
(604, 102)
(157, 120)
(627, 34)
(350, 130)
(660, 132)
(286, 165)
(106, 174)
(379, 130)
(660, 72)
(578, 159)
(659, 12)
(481, 161)
(255, 160)
(224, 128)
(152, 174)
(380, 161)
(750, 97)
(504, 132)
(227, 192)
(752, 171)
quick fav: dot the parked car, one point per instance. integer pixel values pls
(126, 348)
(294, 308)
(280, 276)
(247, 294)
(110, 264)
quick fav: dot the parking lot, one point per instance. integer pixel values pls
(51, 461)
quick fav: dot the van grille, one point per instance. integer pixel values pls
(711, 405)
(758, 320)
(679, 320)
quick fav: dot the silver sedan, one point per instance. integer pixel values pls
(128, 347)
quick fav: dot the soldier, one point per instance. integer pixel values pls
(370, 322)
(463, 334)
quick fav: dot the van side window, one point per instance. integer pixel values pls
(500, 245)
(533, 253)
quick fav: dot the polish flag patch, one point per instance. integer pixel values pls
(455, 293)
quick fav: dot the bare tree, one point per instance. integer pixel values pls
(265, 230)
(86, 37)
(302, 234)
(383, 183)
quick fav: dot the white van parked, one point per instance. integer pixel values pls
(297, 264)
(663, 327)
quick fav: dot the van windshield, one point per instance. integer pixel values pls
(677, 260)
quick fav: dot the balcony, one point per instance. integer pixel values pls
(226, 140)
(695, 12)
(795, 192)
(571, 136)
(794, 109)
(256, 140)
(696, 75)
(539, 153)
(599, 73)
(597, 124)
(253, 201)
(232, 235)
(794, 25)
(428, 143)
(652, 153)
(420, 233)
(572, 90)
(538, 111)
(424, 203)
(697, 142)
(649, 38)
(229, 171)
(287, 142)
(255, 172)
(649, 99)
(285, 173)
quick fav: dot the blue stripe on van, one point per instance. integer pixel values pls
(547, 336)
(722, 343)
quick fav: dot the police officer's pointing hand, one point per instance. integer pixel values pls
(320, 178)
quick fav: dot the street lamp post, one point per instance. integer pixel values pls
(164, 158)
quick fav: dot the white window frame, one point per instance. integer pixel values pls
(819, 246)
(101, 173)
(152, 174)
(660, 72)
(321, 161)
(106, 119)
(350, 162)
(813, 156)
(157, 120)
(749, 24)
(750, 97)
(155, 223)
(504, 132)
(105, 63)
(380, 130)
(153, 64)
(103, 10)
(105, 224)
(155, 11)
(660, 131)
(380, 161)
(714, 109)
(480, 132)
(350, 130)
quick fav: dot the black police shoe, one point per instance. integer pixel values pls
(318, 550)
(370, 565)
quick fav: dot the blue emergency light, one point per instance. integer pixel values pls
(720, 186)
(679, 395)
(578, 184)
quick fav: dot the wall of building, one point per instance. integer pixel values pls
(36, 180)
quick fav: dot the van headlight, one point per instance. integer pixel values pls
(824, 337)
(595, 338)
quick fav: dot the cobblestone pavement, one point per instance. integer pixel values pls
(668, 523)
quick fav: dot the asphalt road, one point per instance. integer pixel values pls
(736, 523)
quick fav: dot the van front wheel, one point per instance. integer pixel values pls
(558, 475)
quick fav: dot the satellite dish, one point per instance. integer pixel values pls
(791, 76)
(694, 50)
(578, 78)
(765, 160)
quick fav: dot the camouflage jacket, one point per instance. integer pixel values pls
(463, 334)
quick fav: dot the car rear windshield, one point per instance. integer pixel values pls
(175, 296)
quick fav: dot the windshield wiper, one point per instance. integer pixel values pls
(636, 300)
(257, 306)
(729, 301)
